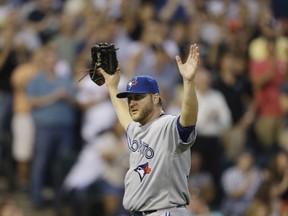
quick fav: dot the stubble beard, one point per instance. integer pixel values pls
(142, 114)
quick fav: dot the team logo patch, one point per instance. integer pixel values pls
(132, 83)
(143, 170)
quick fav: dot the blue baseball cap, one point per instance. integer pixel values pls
(143, 84)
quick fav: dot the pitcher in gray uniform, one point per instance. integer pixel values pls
(156, 182)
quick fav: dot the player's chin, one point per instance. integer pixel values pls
(135, 116)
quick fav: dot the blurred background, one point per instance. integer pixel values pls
(62, 151)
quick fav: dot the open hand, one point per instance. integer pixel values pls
(188, 69)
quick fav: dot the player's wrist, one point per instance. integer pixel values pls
(189, 82)
(113, 91)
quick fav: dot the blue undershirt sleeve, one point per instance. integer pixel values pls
(184, 132)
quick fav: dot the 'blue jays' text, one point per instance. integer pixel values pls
(141, 147)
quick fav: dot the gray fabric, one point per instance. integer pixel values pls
(158, 144)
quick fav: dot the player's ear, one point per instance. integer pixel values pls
(156, 98)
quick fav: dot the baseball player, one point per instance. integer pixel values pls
(156, 182)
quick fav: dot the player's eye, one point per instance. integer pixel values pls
(136, 97)
(139, 97)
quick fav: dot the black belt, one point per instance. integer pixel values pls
(143, 213)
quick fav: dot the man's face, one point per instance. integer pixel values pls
(140, 107)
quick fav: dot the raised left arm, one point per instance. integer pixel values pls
(189, 108)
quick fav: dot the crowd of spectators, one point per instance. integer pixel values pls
(60, 133)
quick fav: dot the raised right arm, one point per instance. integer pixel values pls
(120, 106)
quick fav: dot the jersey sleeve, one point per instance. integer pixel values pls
(184, 132)
(183, 138)
(185, 135)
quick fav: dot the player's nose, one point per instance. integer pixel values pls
(132, 104)
(131, 101)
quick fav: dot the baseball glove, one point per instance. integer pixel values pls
(103, 56)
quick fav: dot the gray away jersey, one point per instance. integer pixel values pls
(159, 165)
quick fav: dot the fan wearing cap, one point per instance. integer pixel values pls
(159, 143)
